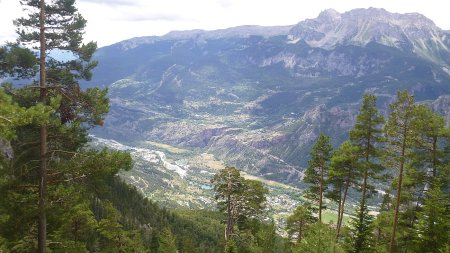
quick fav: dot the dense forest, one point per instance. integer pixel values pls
(60, 195)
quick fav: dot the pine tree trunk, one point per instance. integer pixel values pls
(434, 151)
(399, 188)
(341, 211)
(42, 222)
(366, 172)
(321, 193)
(229, 227)
(362, 204)
(364, 190)
(300, 232)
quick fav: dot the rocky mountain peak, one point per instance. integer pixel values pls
(412, 31)
(238, 32)
(329, 15)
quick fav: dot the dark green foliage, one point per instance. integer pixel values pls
(382, 225)
(415, 148)
(317, 172)
(367, 136)
(167, 242)
(431, 155)
(319, 238)
(267, 238)
(202, 228)
(424, 169)
(57, 25)
(360, 236)
(259, 237)
(71, 222)
(433, 227)
(79, 227)
(298, 223)
(241, 200)
(401, 138)
(342, 176)
(230, 247)
(64, 28)
(17, 62)
(13, 115)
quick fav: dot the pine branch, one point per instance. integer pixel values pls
(6, 119)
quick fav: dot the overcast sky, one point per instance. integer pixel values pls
(111, 21)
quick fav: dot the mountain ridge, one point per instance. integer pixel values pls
(409, 31)
(257, 102)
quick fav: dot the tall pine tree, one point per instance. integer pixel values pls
(367, 135)
(317, 172)
(240, 199)
(167, 242)
(56, 25)
(343, 175)
(433, 137)
(401, 139)
(299, 221)
(432, 230)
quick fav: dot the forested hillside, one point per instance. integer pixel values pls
(58, 193)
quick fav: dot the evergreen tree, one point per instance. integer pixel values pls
(17, 62)
(343, 175)
(114, 237)
(317, 171)
(382, 225)
(238, 198)
(229, 186)
(13, 115)
(432, 230)
(319, 238)
(230, 247)
(425, 169)
(431, 155)
(167, 242)
(188, 246)
(401, 139)
(267, 238)
(367, 136)
(298, 223)
(360, 235)
(65, 113)
(426, 166)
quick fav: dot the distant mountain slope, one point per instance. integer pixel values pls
(257, 97)
(410, 32)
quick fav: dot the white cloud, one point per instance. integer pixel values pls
(9, 10)
(112, 2)
(110, 21)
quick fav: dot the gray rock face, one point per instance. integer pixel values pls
(441, 105)
(6, 150)
(361, 26)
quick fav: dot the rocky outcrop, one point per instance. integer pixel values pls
(361, 26)
(6, 150)
(441, 106)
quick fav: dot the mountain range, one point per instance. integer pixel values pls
(258, 97)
